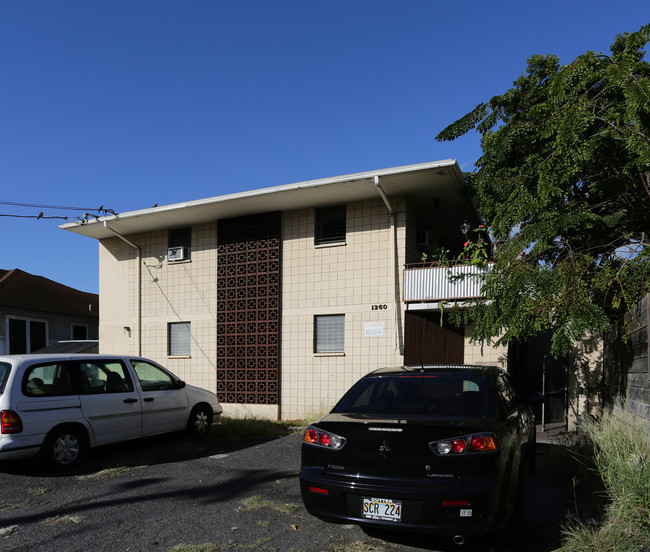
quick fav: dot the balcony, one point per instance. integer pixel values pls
(426, 283)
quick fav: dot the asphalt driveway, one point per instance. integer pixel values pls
(174, 494)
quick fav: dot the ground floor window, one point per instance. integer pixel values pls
(79, 332)
(179, 338)
(329, 333)
(26, 336)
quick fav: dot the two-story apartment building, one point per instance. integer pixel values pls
(280, 298)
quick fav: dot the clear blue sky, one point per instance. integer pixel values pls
(127, 103)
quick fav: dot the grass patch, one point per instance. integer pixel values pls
(37, 491)
(7, 506)
(107, 473)
(250, 428)
(61, 520)
(6, 531)
(615, 455)
(258, 502)
(221, 547)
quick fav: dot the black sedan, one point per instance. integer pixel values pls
(430, 448)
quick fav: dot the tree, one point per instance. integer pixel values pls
(563, 184)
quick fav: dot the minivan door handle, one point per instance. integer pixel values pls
(149, 399)
(129, 401)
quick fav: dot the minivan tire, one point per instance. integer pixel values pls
(64, 447)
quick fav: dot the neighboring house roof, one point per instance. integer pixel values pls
(70, 347)
(436, 185)
(19, 289)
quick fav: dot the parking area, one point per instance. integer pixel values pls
(177, 494)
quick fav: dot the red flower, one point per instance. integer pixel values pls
(467, 243)
(480, 226)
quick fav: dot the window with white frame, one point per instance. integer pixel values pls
(79, 332)
(26, 336)
(179, 338)
(329, 333)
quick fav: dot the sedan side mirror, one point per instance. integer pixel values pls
(180, 384)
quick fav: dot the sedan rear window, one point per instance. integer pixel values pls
(450, 394)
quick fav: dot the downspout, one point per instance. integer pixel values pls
(139, 278)
(393, 261)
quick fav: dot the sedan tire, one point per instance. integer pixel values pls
(200, 420)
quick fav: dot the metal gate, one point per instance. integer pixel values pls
(555, 384)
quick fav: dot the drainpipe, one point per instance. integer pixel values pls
(393, 260)
(139, 278)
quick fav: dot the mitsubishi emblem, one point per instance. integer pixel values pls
(384, 449)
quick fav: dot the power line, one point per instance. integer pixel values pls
(38, 206)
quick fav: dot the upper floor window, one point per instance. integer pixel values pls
(179, 242)
(330, 225)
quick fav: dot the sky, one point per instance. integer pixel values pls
(123, 104)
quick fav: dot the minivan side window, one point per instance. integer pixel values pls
(104, 376)
(48, 380)
(5, 368)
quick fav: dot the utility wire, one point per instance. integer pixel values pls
(38, 206)
(83, 219)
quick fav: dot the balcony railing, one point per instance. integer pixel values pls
(455, 282)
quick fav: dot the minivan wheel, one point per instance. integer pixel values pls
(64, 447)
(200, 420)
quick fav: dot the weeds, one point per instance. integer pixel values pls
(250, 428)
(106, 473)
(617, 460)
(258, 501)
(60, 520)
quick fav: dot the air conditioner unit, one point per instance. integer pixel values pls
(423, 239)
(177, 254)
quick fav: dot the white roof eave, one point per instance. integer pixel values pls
(425, 179)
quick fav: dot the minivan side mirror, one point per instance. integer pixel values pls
(180, 384)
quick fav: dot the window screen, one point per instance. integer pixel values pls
(329, 333)
(330, 225)
(180, 334)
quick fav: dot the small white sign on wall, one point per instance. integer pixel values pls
(373, 329)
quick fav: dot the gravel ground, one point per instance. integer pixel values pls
(174, 494)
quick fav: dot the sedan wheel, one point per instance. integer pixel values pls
(200, 420)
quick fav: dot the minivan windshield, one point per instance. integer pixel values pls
(5, 368)
(454, 394)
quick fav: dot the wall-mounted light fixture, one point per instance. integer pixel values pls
(127, 331)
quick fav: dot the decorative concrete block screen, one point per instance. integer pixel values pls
(248, 309)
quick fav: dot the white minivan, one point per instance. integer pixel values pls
(59, 405)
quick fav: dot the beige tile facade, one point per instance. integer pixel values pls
(360, 279)
(356, 279)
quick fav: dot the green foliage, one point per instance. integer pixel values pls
(564, 183)
(620, 453)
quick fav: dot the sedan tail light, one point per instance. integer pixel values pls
(10, 422)
(479, 442)
(318, 437)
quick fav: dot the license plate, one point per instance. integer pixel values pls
(382, 509)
